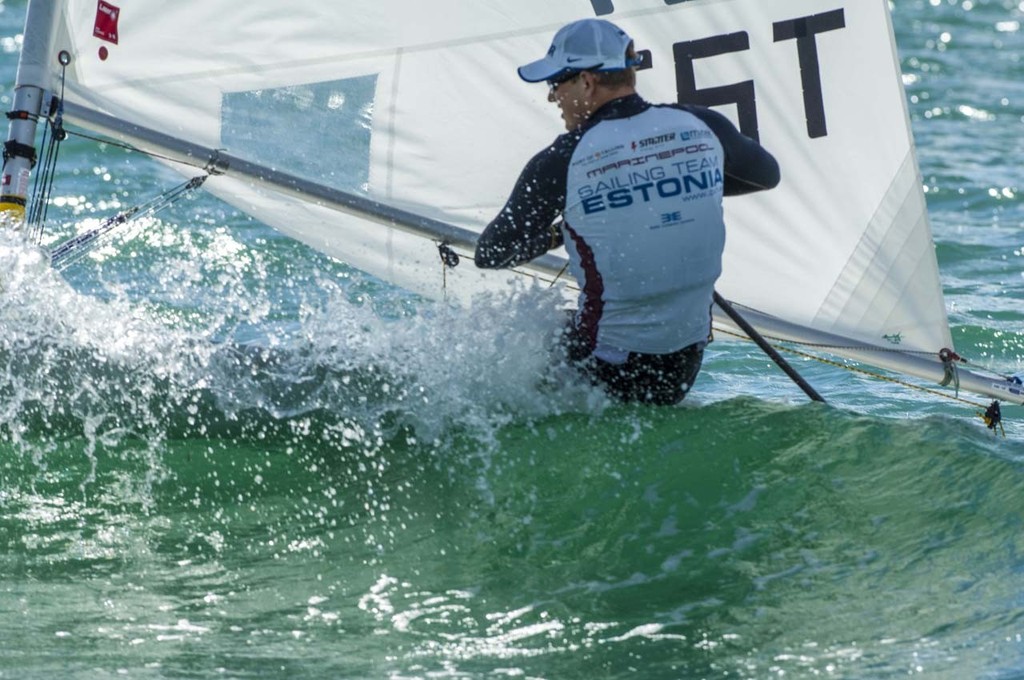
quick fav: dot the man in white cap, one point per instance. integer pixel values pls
(639, 190)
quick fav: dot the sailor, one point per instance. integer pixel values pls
(638, 188)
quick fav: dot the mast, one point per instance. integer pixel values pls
(31, 84)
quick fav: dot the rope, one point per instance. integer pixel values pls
(42, 187)
(559, 276)
(991, 414)
(208, 166)
(449, 260)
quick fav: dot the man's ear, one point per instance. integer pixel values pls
(589, 80)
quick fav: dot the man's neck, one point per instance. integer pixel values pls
(604, 95)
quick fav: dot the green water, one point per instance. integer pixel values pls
(738, 539)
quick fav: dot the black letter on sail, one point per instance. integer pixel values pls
(804, 30)
(740, 94)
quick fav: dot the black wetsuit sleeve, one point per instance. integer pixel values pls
(749, 166)
(524, 228)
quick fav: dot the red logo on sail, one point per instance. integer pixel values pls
(106, 22)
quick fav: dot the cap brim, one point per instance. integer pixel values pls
(540, 70)
(547, 68)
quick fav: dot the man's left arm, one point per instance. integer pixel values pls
(749, 167)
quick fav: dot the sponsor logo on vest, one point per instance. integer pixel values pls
(690, 149)
(687, 135)
(653, 141)
(683, 187)
(596, 156)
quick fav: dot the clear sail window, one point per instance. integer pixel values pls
(334, 116)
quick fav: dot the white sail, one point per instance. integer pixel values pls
(416, 106)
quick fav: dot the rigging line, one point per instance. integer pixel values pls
(870, 348)
(556, 232)
(881, 350)
(954, 357)
(855, 369)
(857, 347)
(449, 260)
(46, 180)
(752, 333)
(559, 275)
(129, 147)
(42, 186)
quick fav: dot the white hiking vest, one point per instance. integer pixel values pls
(644, 230)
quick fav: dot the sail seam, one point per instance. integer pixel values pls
(390, 165)
(392, 116)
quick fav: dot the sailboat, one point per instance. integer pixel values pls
(386, 134)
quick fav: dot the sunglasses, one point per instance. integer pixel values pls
(557, 81)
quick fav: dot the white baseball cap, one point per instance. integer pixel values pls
(584, 45)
